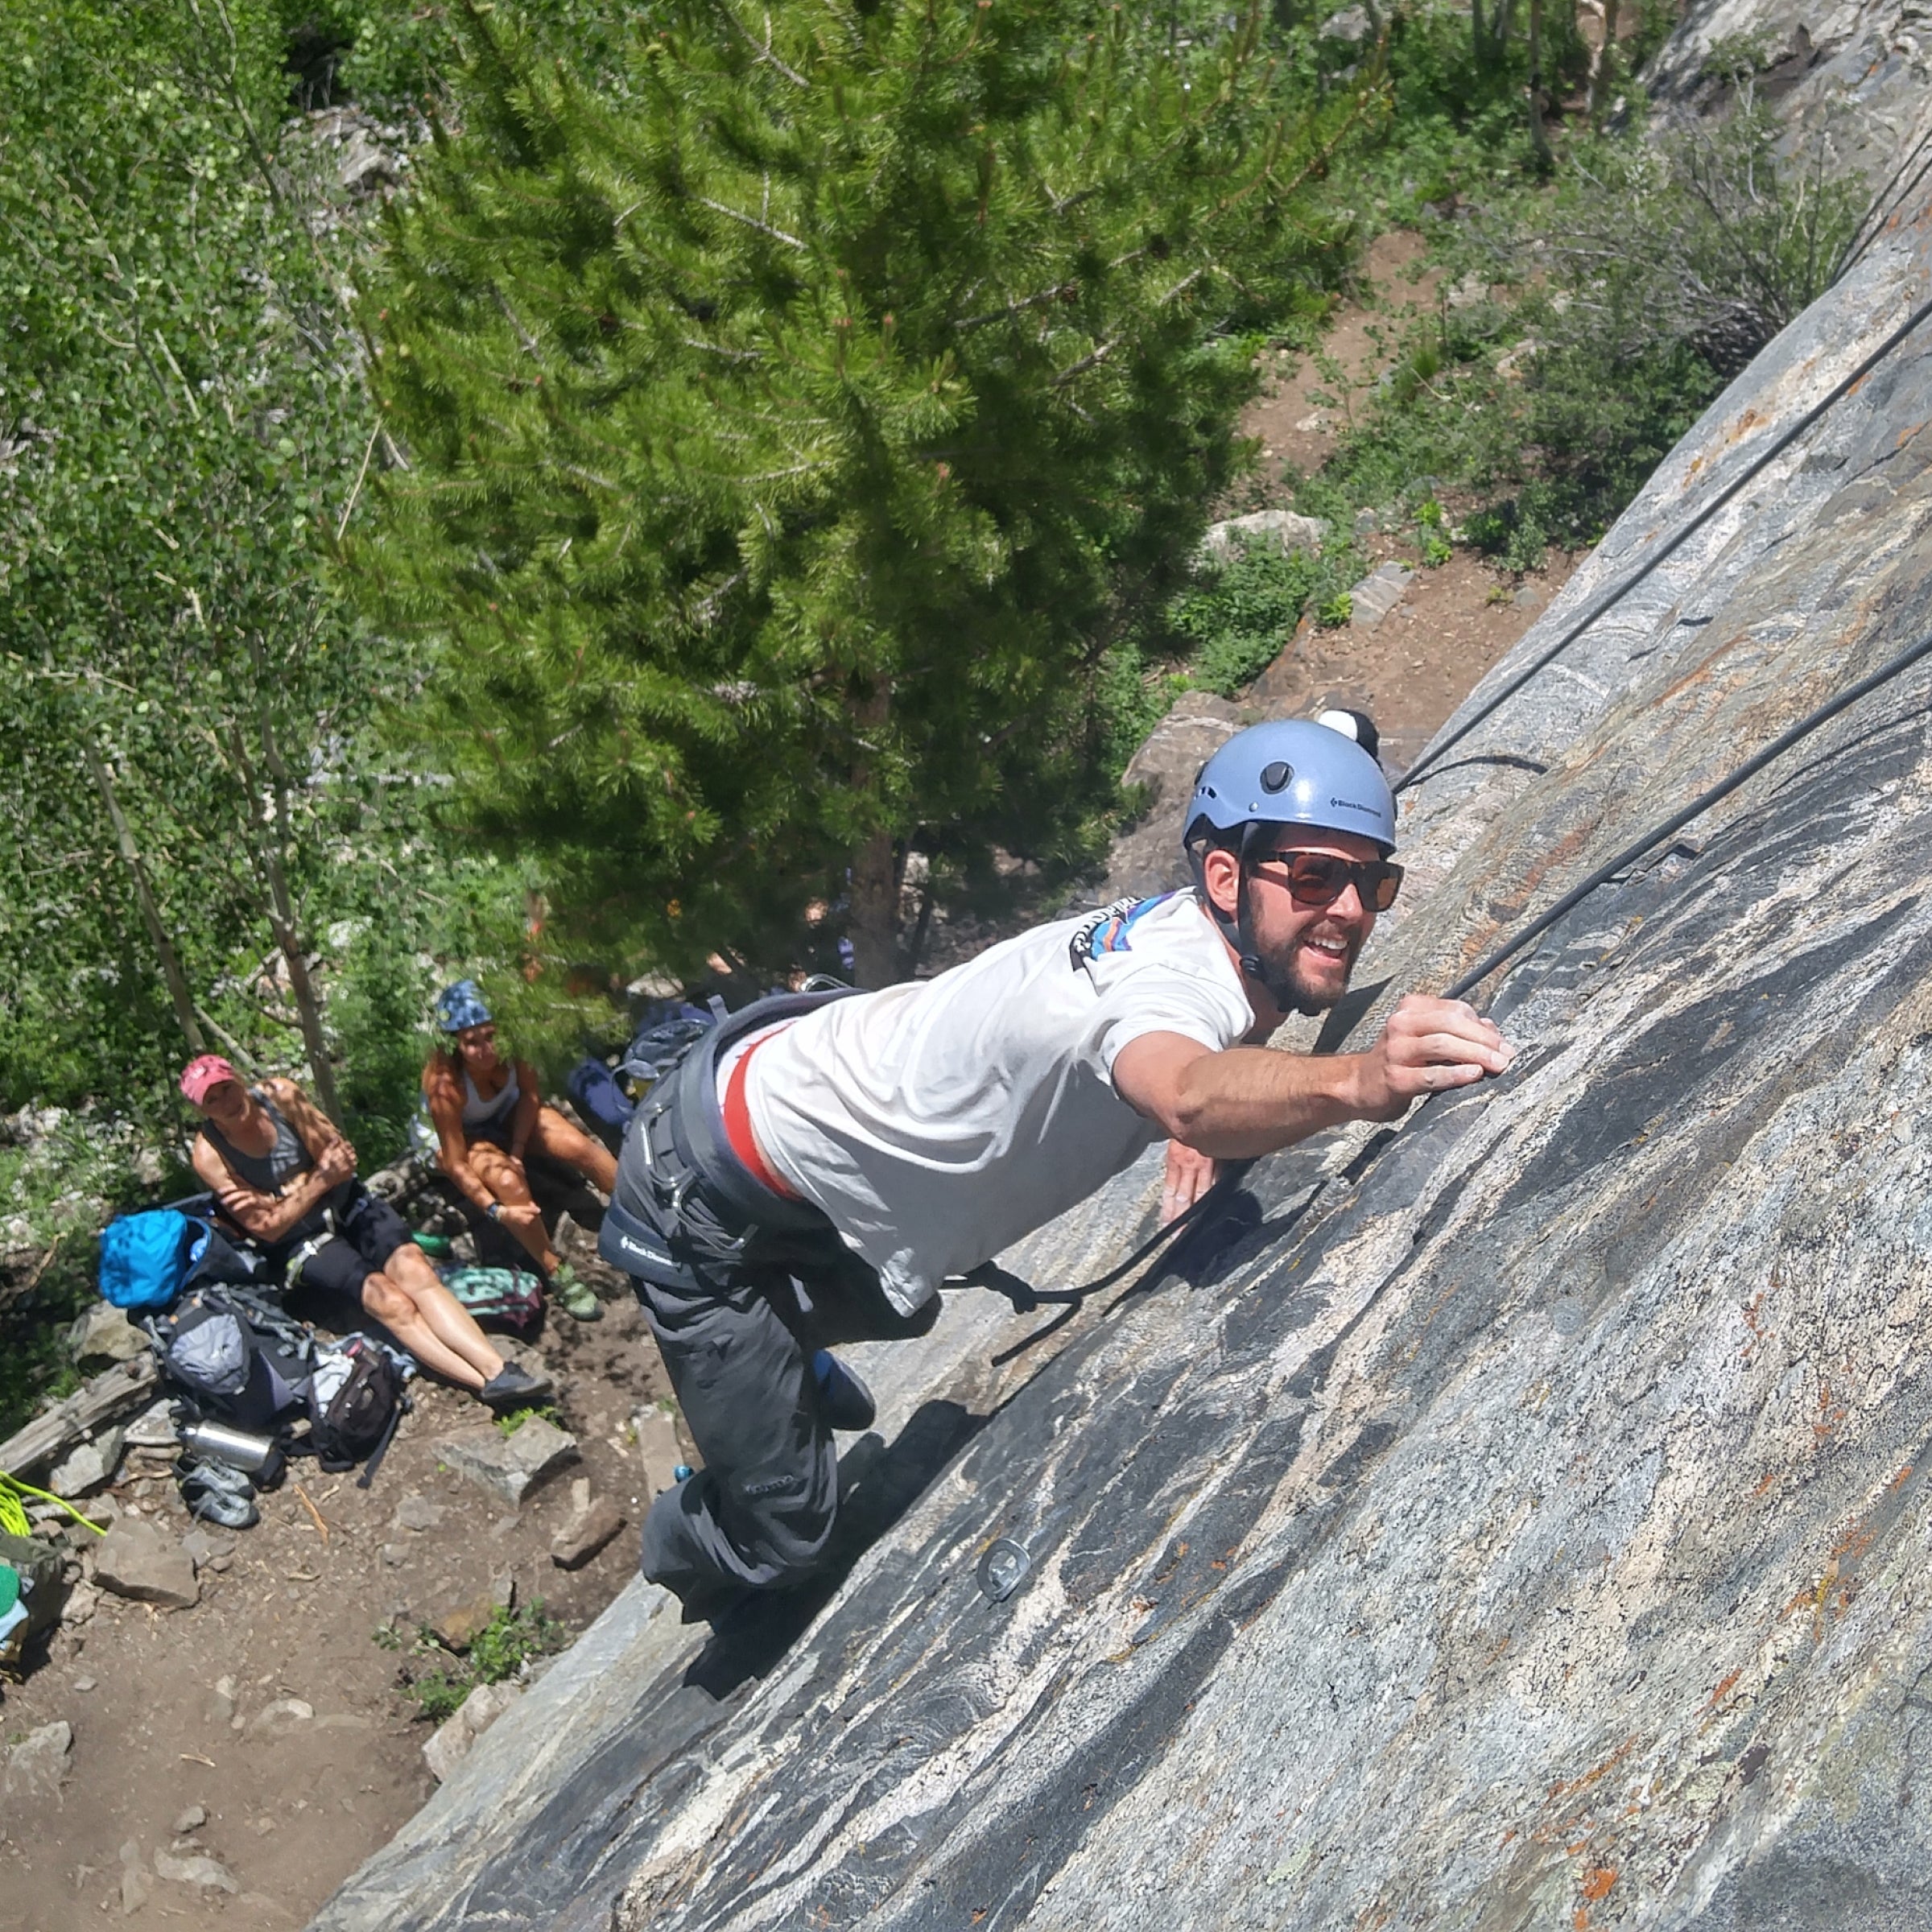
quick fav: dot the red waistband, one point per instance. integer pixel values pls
(737, 1129)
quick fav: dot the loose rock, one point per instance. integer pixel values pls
(509, 1466)
(1377, 594)
(659, 1446)
(205, 1873)
(192, 1819)
(38, 1766)
(456, 1623)
(418, 1512)
(456, 1736)
(280, 1719)
(204, 1545)
(89, 1466)
(138, 1559)
(103, 1334)
(1267, 528)
(589, 1528)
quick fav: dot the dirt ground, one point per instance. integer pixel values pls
(171, 1710)
(294, 1804)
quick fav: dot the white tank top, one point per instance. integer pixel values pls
(480, 1112)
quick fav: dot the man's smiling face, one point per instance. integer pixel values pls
(1309, 950)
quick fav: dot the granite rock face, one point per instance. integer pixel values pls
(1515, 1519)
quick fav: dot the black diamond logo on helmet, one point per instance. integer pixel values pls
(1278, 777)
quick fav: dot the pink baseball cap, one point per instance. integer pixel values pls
(207, 1071)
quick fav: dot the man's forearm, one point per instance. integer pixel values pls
(1249, 1100)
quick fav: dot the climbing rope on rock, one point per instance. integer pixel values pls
(1432, 759)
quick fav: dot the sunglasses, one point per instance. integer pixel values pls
(1318, 878)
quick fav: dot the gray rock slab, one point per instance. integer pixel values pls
(37, 1766)
(1516, 1516)
(658, 1449)
(139, 1559)
(508, 1466)
(1377, 594)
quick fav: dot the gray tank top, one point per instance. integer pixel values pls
(266, 1173)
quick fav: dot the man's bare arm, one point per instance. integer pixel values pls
(1249, 1100)
(268, 1217)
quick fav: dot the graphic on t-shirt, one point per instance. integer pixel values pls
(1108, 930)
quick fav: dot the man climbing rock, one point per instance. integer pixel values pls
(816, 1167)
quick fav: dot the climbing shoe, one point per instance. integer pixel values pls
(844, 1402)
(573, 1295)
(513, 1385)
(216, 1491)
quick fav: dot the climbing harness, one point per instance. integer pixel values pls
(1430, 760)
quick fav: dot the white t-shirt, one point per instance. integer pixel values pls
(937, 1122)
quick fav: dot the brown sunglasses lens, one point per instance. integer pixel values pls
(1316, 879)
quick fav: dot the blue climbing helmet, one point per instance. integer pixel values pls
(460, 1006)
(1288, 772)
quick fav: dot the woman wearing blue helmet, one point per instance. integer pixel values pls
(486, 1112)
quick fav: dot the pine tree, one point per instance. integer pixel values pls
(794, 417)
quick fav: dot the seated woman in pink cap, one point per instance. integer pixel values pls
(282, 1175)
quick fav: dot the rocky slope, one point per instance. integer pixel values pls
(1513, 1520)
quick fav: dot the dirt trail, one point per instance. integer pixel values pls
(294, 1804)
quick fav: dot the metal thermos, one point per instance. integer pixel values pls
(239, 1448)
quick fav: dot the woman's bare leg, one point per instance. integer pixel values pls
(499, 1174)
(409, 1271)
(557, 1140)
(384, 1301)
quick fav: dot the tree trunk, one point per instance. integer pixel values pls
(268, 844)
(151, 911)
(1539, 136)
(875, 912)
(1603, 69)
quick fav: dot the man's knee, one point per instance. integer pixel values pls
(383, 1300)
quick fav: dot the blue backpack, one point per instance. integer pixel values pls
(145, 1257)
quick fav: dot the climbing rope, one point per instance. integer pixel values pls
(1433, 757)
(1723, 789)
(13, 1512)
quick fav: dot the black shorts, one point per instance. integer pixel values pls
(368, 1232)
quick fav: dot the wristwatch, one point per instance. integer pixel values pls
(494, 1210)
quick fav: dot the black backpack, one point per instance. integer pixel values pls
(233, 1357)
(353, 1415)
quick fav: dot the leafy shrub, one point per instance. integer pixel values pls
(510, 1640)
(1234, 619)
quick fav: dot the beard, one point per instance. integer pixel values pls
(1303, 994)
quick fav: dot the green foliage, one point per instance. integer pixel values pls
(1633, 291)
(1235, 620)
(793, 432)
(512, 1420)
(508, 1641)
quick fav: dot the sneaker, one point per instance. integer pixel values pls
(844, 1402)
(573, 1295)
(513, 1384)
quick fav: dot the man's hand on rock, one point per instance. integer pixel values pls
(1428, 1046)
(1189, 1176)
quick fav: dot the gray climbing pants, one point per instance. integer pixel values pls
(761, 1511)
(741, 1287)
